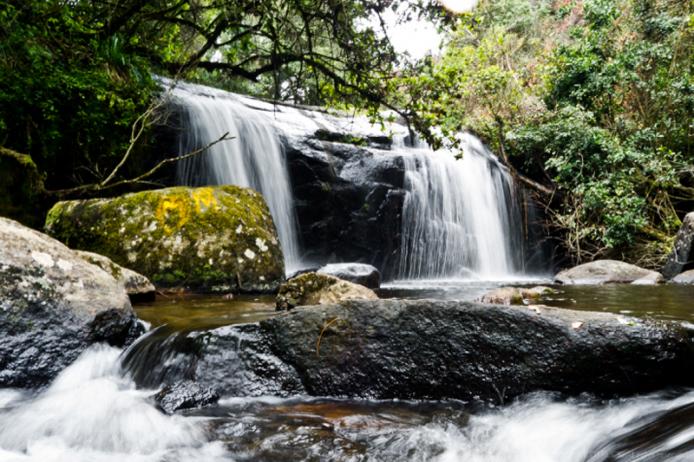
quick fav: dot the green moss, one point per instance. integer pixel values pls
(21, 188)
(195, 237)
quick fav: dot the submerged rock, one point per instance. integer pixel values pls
(426, 349)
(515, 295)
(185, 395)
(137, 286)
(213, 238)
(319, 289)
(607, 271)
(684, 278)
(682, 256)
(53, 305)
(358, 273)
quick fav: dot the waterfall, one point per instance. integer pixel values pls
(254, 158)
(460, 217)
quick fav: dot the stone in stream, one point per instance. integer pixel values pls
(184, 395)
(427, 349)
(358, 273)
(515, 295)
(137, 286)
(219, 239)
(53, 305)
(682, 256)
(607, 271)
(319, 289)
(684, 278)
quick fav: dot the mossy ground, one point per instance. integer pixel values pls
(21, 188)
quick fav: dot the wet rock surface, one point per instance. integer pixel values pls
(607, 272)
(442, 349)
(53, 305)
(219, 239)
(184, 395)
(682, 257)
(349, 199)
(358, 273)
(319, 289)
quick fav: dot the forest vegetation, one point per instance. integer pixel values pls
(589, 102)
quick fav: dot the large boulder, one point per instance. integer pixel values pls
(212, 238)
(137, 286)
(358, 273)
(426, 349)
(605, 272)
(682, 256)
(53, 305)
(319, 289)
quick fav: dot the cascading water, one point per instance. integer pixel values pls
(253, 158)
(460, 217)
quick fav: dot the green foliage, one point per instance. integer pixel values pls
(595, 99)
(67, 98)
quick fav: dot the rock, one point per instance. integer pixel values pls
(684, 278)
(184, 395)
(319, 289)
(219, 239)
(651, 279)
(137, 286)
(21, 188)
(515, 295)
(682, 256)
(53, 305)
(349, 200)
(358, 273)
(427, 349)
(604, 272)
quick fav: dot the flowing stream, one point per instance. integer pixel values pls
(93, 412)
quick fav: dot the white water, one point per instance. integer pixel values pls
(460, 218)
(254, 158)
(91, 413)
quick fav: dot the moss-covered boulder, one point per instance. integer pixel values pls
(515, 295)
(21, 188)
(218, 238)
(319, 289)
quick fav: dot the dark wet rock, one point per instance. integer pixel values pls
(137, 286)
(446, 349)
(358, 273)
(319, 289)
(684, 278)
(228, 361)
(605, 272)
(515, 295)
(53, 305)
(349, 200)
(682, 257)
(219, 239)
(185, 395)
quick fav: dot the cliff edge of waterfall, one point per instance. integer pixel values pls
(342, 189)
